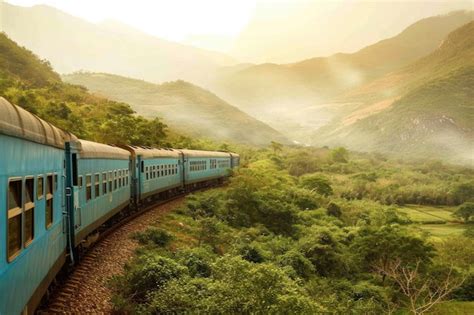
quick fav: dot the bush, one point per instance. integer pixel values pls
(465, 211)
(153, 236)
(149, 273)
(318, 183)
(298, 262)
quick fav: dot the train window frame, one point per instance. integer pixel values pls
(96, 185)
(55, 182)
(88, 187)
(28, 209)
(111, 181)
(49, 201)
(38, 190)
(16, 211)
(104, 183)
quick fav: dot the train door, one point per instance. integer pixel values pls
(73, 185)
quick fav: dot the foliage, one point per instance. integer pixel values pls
(318, 183)
(465, 211)
(269, 242)
(154, 236)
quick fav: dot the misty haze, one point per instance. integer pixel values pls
(224, 157)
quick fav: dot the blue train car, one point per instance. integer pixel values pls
(33, 234)
(154, 171)
(235, 160)
(201, 166)
(99, 185)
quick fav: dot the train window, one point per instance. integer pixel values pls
(146, 172)
(142, 164)
(104, 183)
(110, 182)
(14, 218)
(74, 169)
(161, 171)
(80, 182)
(115, 180)
(39, 187)
(119, 178)
(88, 187)
(126, 177)
(56, 182)
(49, 201)
(96, 186)
(29, 208)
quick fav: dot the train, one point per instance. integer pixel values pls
(57, 192)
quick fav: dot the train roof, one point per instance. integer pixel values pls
(200, 153)
(92, 150)
(17, 122)
(149, 152)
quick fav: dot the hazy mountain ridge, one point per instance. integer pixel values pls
(262, 88)
(73, 44)
(430, 110)
(22, 64)
(182, 105)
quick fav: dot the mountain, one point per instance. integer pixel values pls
(183, 106)
(424, 109)
(288, 31)
(305, 90)
(73, 44)
(21, 64)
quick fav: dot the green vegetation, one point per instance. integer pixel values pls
(29, 82)
(429, 110)
(179, 103)
(303, 231)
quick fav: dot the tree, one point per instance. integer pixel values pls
(276, 147)
(422, 291)
(384, 245)
(465, 211)
(318, 183)
(340, 155)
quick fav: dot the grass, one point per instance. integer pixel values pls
(428, 214)
(437, 221)
(454, 308)
(443, 230)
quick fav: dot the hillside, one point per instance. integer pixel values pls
(73, 44)
(29, 82)
(21, 64)
(270, 91)
(183, 106)
(426, 108)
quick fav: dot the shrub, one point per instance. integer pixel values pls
(318, 183)
(154, 236)
(149, 273)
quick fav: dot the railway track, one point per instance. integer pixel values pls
(85, 290)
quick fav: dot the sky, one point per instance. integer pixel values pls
(259, 30)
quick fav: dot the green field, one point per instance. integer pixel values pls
(428, 214)
(436, 220)
(454, 308)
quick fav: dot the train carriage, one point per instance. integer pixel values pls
(57, 190)
(33, 234)
(155, 171)
(235, 160)
(101, 178)
(205, 166)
